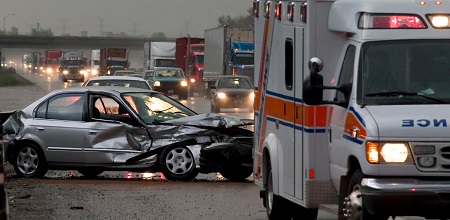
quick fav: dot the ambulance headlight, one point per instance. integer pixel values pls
(439, 21)
(386, 153)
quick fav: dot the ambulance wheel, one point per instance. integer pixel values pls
(353, 204)
(277, 208)
(177, 163)
(29, 161)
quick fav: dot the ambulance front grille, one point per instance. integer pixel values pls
(431, 157)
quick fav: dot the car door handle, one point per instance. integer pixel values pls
(40, 129)
(93, 132)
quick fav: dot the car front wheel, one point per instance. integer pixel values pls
(29, 161)
(177, 163)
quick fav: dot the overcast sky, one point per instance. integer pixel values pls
(173, 17)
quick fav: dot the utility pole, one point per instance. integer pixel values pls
(4, 21)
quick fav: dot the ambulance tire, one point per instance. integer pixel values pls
(355, 185)
(277, 207)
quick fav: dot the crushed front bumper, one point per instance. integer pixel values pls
(407, 197)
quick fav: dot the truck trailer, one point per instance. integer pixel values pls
(352, 108)
(228, 51)
(159, 54)
(189, 56)
(51, 61)
(113, 59)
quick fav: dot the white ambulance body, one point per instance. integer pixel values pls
(371, 130)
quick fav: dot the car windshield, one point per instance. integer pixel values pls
(169, 73)
(154, 108)
(235, 83)
(121, 83)
(405, 72)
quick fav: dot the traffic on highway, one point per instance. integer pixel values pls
(287, 110)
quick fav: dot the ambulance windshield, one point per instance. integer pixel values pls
(404, 72)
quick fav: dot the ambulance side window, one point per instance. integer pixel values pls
(346, 75)
(288, 63)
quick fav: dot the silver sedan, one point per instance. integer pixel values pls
(96, 129)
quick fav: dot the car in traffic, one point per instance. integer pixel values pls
(169, 80)
(124, 81)
(232, 92)
(124, 72)
(96, 129)
(73, 73)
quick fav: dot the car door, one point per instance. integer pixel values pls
(58, 127)
(114, 135)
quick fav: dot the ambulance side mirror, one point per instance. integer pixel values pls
(313, 84)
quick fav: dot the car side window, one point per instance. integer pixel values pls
(62, 107)
(104, 107)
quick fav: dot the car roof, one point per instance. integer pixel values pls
(97, 78)
(165, 68)
(110, 89)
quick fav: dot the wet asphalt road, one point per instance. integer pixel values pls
(122, 195)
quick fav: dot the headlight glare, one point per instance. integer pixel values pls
(394, 152)
(221, 95)
(157, 83)
(183, 83)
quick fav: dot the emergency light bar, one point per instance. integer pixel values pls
(256, 8)
(267, 9)
(390, 21)
(439, 21)
(290, 12)
(278, 11)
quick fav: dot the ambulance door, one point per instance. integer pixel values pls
(343, 119)
(286, 88)
(298, 111)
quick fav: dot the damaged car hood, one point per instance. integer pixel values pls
(209, 120)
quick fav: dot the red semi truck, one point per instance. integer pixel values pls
(51, 61)
(189, 57)
(113, 59)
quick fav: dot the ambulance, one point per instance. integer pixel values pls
(352, 108)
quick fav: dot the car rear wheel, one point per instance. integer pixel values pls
(29, 161)
(238, 174)
(177, 163)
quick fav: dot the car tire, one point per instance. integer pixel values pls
(177, 163)
(90, 172)
(238, 174)
(29, 161)
(356, 208)
(277, 207)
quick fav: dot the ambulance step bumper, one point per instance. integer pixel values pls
(407, 197)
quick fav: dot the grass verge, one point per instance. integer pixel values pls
(10, 78)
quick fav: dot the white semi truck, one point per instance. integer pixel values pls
(159, 54)
(95, 62)
(352, 108)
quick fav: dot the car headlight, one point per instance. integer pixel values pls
(83, 72)
(49, 70)
(387, 152)
(183, 83)
(109, 72)
(221, 95)
(94, 72)
(157, 83)
(65, 72)
(192, 80)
